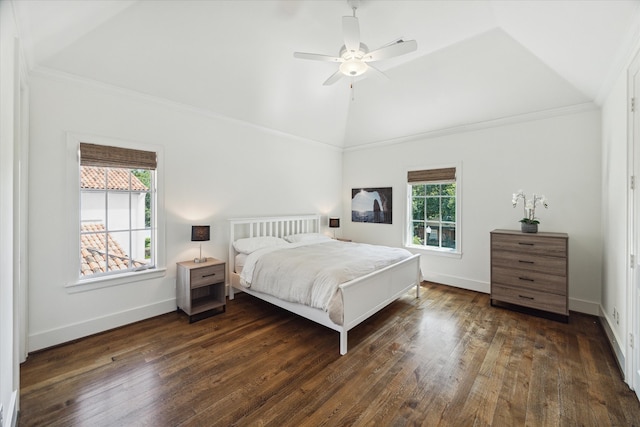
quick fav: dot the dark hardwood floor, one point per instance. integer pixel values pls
(446, 359)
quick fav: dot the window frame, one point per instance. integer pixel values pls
(78, 283)
(408, 235)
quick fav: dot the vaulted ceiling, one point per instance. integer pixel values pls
(477, 61)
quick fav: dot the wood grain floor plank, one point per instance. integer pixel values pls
(446, 359)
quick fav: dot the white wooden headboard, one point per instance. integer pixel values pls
(277, 226)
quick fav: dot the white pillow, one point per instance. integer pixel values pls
(251, 244)
(305, 237)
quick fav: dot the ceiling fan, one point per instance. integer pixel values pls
(354, 57)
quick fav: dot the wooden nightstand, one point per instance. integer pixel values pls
(201, 288)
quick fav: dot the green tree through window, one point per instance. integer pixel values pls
(433, 215)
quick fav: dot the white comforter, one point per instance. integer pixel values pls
(310, 273)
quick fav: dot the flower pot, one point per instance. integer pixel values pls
(528, 228)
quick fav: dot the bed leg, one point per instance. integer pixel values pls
(231, 295)
(343, 343)
(418, 290)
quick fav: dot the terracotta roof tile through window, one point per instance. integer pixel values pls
(93, 251)
(117, 179)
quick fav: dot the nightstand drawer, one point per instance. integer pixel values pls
(207, 275)
(549, 246)
(528, 298)
(532, 262)
(530, 280)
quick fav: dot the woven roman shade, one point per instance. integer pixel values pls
(432, 175)
(116, 157)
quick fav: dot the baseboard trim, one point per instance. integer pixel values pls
(581, 306)
(12, 410)
(52, 337)
(614, 341)
(458, 282)
(586, 307)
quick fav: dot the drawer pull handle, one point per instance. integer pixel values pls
(526, 244)
(208, 275)
(526, 262)
(525, 297)
(526, 278)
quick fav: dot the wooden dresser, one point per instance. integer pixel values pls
(531, 270)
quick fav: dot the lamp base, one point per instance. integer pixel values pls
(199, 260)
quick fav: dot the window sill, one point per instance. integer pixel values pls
(436, 251)
(108, 281)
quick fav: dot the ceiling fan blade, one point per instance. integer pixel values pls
(334, 78)
(317, 57)
(373, 71)
(351, 32)
(399, 48)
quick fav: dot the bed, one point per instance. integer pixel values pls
(356, 299)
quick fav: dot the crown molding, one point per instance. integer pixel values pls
(50, 73)
(503, 121)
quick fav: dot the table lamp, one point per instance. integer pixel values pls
(334, 223)
(200, 233)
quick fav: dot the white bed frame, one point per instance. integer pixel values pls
(362, 297)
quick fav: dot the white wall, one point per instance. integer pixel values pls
(557, 156)
(214, 169)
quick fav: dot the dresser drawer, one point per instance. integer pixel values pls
(535, 245)
(207, 275)
(529, 298)
(529, 279)
(528, 261)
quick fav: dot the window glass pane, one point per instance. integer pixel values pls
(448, 209)
(118, 179)
(418, 208)
(417, 237)
(433, 189)
(141, 247)
(118, 250)
(92, 251)
(433, 208)
(449, 189)
(433, 237)
(418, 190)
(449, 236)
(118, 211)
(93, 207)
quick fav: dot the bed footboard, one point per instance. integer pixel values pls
(367, 295)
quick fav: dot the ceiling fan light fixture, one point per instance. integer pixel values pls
(353, 67)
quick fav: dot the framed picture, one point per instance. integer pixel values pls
(371, 205)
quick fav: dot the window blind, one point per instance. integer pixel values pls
(116, 157)
(432, 175)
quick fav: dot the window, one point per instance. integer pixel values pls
(433, 209)
(117, 210)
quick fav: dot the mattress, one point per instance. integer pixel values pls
(311, 273)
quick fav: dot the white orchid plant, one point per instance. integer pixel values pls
(529, 206)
